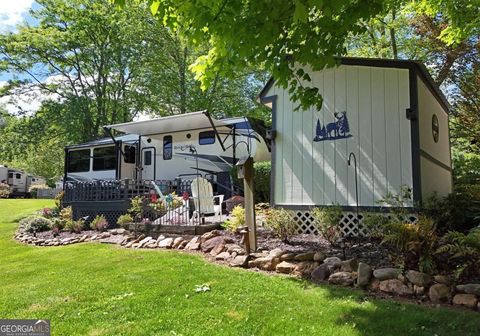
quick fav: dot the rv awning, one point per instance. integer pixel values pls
(176, 123)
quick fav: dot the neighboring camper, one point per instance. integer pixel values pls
(19, 181)
(388, 113)
(167, 148)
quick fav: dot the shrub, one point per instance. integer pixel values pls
(99, 223)
(59, 199)
(281, 222)
(124, 220)
(464, 249)
(5, 190)
(262, 181)
(417, 241)
(327, 220)
(236, 221)
(57, 224)
(376, 224)
(66, 214)
(36, 224)
(33, 190)
(459, 211)
(136, 207)
(75, 225)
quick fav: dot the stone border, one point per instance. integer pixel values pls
(313, 265)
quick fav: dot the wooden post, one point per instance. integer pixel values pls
(250, 204)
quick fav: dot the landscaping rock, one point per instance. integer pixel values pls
(306, 256)
(305, 268)
(193, 244)
(364, 274)
(336, 261)
(319, 256)
(349, 265)
(276, 253)
(266, 263)
(239, 261)
(418, 290)
(139, 238)
(144, 241)
(211, 243)
(386, 273)
(375, 285)
(217, 249)
(395, 286)
(321, 273)
(285, 267)
(166, 243)
(222, 256)
(443, 279)
(341, 278)
(439, 293)
(469, 289)
(160, 238)
(176, 242)
(209, 235)
(287, 257)
(82, 238)
(466, 300)
(419, 278)
(234, 248)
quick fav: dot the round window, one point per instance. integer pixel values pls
(435, 128)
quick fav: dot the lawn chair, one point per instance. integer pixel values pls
(204, 201)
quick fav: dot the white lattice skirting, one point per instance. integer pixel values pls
(349, 225)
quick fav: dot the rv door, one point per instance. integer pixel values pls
(148, 163)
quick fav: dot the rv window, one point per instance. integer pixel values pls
(104, 158)
(206, 138)
(147, 158)
(130, 154)
(167, 147)
(10, 175)
(79, 161)
(18, 176)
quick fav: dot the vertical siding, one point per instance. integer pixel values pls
(317, 173)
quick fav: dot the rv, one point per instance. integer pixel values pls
(19, 181)
(179, 146)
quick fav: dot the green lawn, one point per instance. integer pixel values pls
(94, 289)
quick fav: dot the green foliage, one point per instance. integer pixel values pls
(464, 249)
(136, 207)
(36, 224)
(4, 190)
(237, 220)
(281, 222)
(459, 211)
(99, 223)
(66, 214)
(75, 225)
(376, 224)
(57, 224)
(417, 241)
(124, 221)
(327, 220)
(467, 167)
(262, 181)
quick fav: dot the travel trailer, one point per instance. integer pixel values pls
(19, 181)
(186, 145)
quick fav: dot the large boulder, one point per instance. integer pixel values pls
(285, 267)
(222, 256)
(335, 261)
(364, 274)
(386, 273)
(439, 293)
(321, 273)
(395, 286)
(469, 289)
(418, 278)
(177, 241)
(443, 279)
(267, 263)
(349, 265)
(341, 278)
(466, 300)
(209, 235)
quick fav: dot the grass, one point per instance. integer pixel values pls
(95, 289)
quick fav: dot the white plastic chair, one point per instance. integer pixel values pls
(204, 201)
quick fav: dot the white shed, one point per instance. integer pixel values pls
(389, 113)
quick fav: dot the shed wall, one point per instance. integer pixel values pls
(309, 172)
(436, 175)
